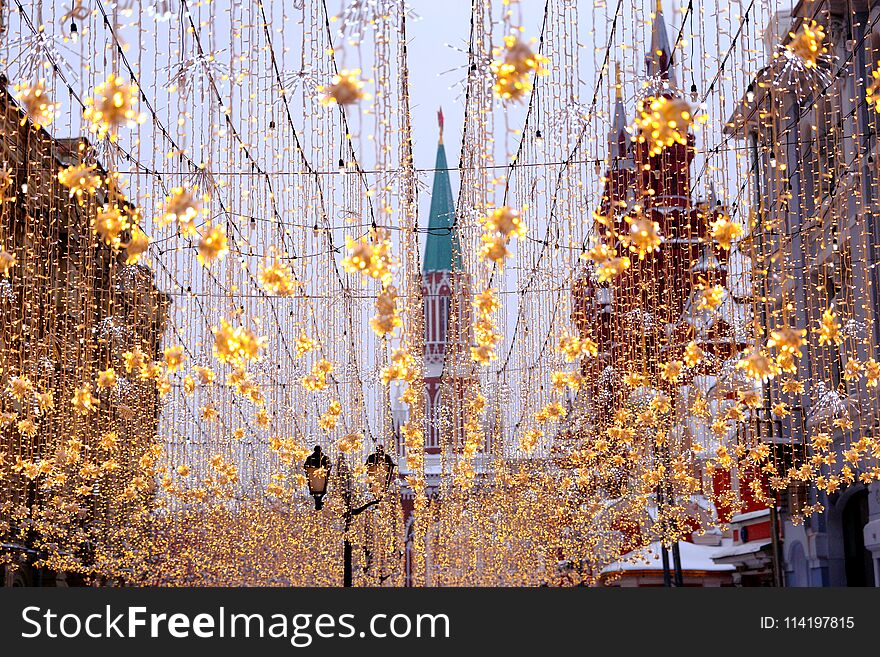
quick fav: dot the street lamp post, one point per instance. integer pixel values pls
(380, 471)
(317, 467)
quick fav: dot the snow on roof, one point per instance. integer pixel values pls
(693, 557)
(751, 515)
(740, 549)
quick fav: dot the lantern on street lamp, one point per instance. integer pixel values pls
(380, 470)
(317, 467)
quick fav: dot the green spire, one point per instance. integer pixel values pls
(442, 249)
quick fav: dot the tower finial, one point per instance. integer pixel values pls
(659, 59)
(440, 123)
(618, 86)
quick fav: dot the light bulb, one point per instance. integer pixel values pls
(341, 166)
(750, 94)
(539, 139)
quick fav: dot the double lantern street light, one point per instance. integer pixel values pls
(380, 471)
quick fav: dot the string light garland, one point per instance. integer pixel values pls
(656, 309)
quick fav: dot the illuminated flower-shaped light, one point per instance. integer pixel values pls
(330, 417)
(711, 297)
(671, 371)
(872, 373)
(872, 92)
(829, 328)
(107, 379)
(236, 345)
(808, 43)
(512, 66)
(758, 366)
(805, 57)
(485, 329)
(181, 206)
(213, 244)
(6, 181)
(328, 421)
(608, 264)
(27, 427)
(644, 234)
(693, 354)
(20, 387)
(502, 224)
(112, 106)
(486, 302)
(304, 344)
(134, 359)
(483, 354)
(635, 379)
(788, 340)
(852, 370)
(346, 88)
(574, 347)
(552, 412)
(494, 248)
(36, 103)
(371, 256)
(277, 278)
(206, 374)
(209, 413)
(662, 122)
(137, 245)
(402, 367)
(46, 400)
(262, 418)
(660, 403)
(793, 387)
(530, 439)
(108, 224)
(410, 396)
(80, 179)
(7, 261)
(173, 358)
(83, 401)
(387, 317)
(109, 441)
(785, 361)
(781, 410)
(413, 436)
(506, 221)
(724, 231)
(350, 443)
(317, 378)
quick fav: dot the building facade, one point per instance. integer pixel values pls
(812, 142)
(651, 314)
(69, 307)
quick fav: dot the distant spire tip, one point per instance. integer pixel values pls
(440, 122)
(618, 85)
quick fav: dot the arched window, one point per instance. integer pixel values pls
(433, 439)
(857, 560)
(444, 318)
